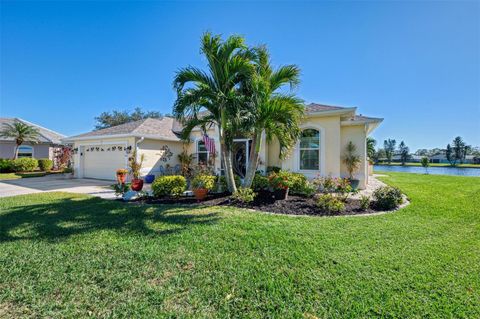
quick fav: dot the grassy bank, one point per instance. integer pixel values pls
(432, 165)
(64, 255)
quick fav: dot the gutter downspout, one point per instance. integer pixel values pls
(136, 146)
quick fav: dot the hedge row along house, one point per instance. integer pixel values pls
(326, 130)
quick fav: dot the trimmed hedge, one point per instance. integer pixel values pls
(387, 198)
(45, 164)
(173, 185)
(24, 164)
(6, 165)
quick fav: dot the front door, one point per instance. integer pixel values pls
(241, 152)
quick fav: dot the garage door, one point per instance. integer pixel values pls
(102, 161)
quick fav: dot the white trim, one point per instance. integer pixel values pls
(200, 139)
(321, 169)
(31, 146)
(87, 138)
(332, 112)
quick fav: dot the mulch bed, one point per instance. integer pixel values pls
(293, 205)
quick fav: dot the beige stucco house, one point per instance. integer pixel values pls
(48, 142)
(326, 132)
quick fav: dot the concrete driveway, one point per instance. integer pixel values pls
(56, 183)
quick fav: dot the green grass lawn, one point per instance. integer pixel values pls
(64, 255)
(9, 176)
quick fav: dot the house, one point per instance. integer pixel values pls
(48, 142)
(326, 132)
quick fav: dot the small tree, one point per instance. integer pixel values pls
(458, 148)
(135, 164)
(351, 159)
(404, 152)
(371, 142)
(450, 155)
(389, 146)
(425, 163)
(20, 133)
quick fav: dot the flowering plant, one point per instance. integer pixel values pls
(278, 181)
(122, 171)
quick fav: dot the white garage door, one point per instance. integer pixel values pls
(103, 164)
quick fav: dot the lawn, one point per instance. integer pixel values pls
(9, 176)
(64, 255)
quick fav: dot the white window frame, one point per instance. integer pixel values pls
(300, 149)
(203, 152)
(321, 169)
(29, 146)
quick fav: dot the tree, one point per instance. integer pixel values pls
(276, 114)
(459, 148)
(371, 142)
(450, 155)
(351, 159)
(21, 133)
(216, 92)
(404, 152)
(389, 146)
(425, 163)
(379, 154)
(114, 118)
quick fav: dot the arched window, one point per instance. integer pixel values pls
(310, 150)
(25, 151)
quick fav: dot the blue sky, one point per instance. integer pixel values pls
(416, 64)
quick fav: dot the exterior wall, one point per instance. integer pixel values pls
(357, 135)
(196, 136)
(155, 157)
(39, 150)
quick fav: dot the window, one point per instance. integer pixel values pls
(25, 151)
(202, 153)
(310, 150)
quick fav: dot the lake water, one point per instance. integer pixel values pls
(431, 170)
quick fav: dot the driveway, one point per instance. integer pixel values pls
(56, 183)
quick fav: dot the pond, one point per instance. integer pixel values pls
(460, 171)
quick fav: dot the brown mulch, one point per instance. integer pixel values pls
(293, 205)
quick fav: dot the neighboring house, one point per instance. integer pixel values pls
(442, 158)
(48, 142)
(326, 132)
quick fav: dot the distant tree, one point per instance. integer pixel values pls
(425, 163)
(404, 152)
(109, 119)
(20, 133)
(422, 152)
(371, 142)
(458, 148)
(379, 154)
(450, 155)
(389, 146)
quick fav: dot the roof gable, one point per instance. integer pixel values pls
(46, 135)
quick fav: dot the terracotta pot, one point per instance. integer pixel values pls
(137, 184)
(121, 178)
(281, 194)
(200, 193)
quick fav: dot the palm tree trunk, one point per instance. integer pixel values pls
(226, 156)
(254, 156)
(15, 151)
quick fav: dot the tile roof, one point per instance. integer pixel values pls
(46, 135)
(364, 118)
(161, 128)
(314, 107)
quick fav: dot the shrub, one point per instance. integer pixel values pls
(244, 195)
(364, 202)
(25, 164)
(387, 197)
(120, 189)
(326, 184)
(45, 164)
(172, 185)
(222, 183)
(343, 188)
(298, 184)
(273, 169)
(204, 181)
(330, 204)
(278, 181)
(260, 182)
(6, 165)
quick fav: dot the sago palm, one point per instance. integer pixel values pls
(273, 112)
(20, 133)
(216, 92)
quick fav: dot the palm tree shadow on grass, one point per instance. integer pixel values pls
(60, 219)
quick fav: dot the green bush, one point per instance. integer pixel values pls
(222, 183)
(330, 204)
(273, 169)
(6, 165)
(260, 182)
(173, 185)
(204, 181)
(244, 195)
(25, 164)
(364, 202)
(386, 198)
(45, 164)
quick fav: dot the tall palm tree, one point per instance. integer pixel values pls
(216, 92)
(371, 142)
(273, 112)
(21, 133)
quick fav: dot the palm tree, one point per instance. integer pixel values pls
(21, 133)
(216, 92)
(275, 113)
(371, 142)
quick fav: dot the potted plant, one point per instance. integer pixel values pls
(135, 167)
(279, 184)
(122, 175)
(202, 184)
(261, 186)
(352, 162)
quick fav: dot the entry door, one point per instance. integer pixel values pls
(241, 153)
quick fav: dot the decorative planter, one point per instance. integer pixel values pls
(137, 185)
(280, 194)
(200, 193)
(122, 178)
(354, 183)
(149, 178)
